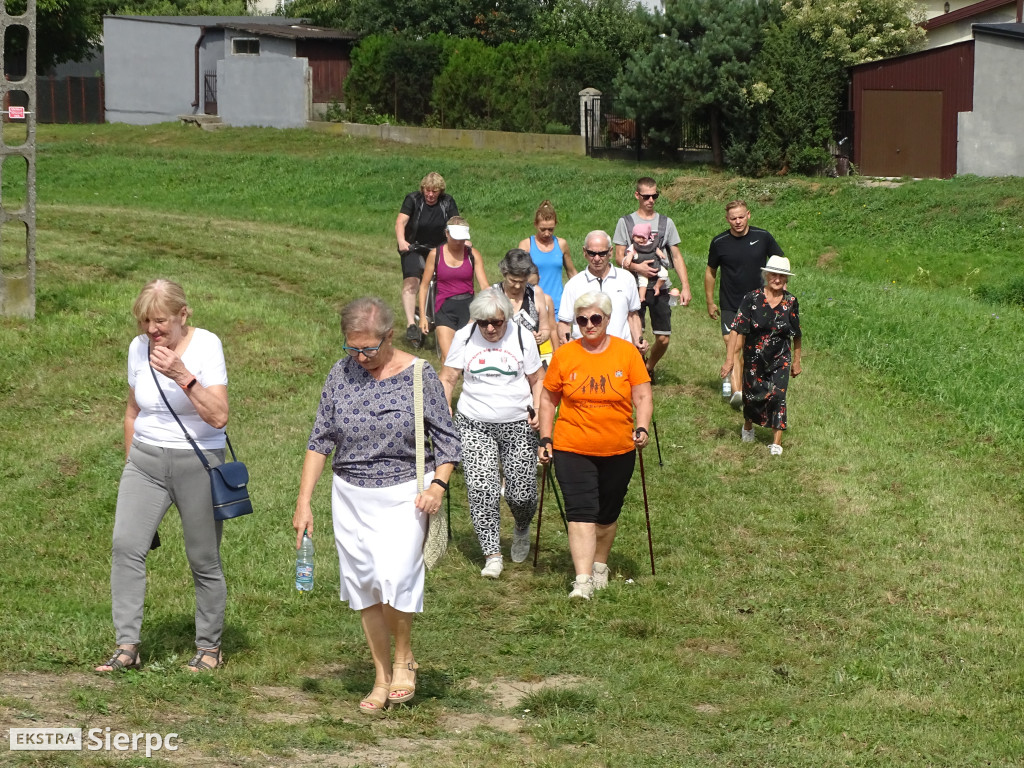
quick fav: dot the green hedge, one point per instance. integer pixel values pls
(463, 83)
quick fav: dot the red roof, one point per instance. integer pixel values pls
(966, 12)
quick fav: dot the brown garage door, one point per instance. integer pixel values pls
(901, 133)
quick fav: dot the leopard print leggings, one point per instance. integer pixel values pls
(515, 443)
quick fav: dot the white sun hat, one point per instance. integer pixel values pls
(777, 264)
(458, 231)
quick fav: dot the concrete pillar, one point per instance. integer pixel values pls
(18, 139)
(590, 100)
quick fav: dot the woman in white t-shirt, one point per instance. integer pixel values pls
(497, 419)
(187, 364)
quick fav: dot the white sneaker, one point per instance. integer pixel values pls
(583, 587)
(493, 568)
(520, 544)
(736, 401)
(747, 435)
(775, 449)
(600, 576)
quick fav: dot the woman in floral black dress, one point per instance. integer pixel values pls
(766, 321)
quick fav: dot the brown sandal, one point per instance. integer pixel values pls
(122, 660)
(199, 662)
(371, 704)
(401, 692)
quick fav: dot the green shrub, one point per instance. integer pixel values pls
(394, 75)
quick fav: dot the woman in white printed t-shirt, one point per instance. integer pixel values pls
(497, 419)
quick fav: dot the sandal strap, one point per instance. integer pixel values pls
(199, 662)
(132, 654)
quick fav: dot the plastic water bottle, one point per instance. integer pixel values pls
(304, 565)
(726, 387)
(673, 297)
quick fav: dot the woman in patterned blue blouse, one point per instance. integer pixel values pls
(366, 419)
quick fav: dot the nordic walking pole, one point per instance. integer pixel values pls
(647, 510)
(657, 442)
(540, 509)
(558, 500)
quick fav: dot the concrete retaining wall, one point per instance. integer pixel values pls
(451, 137)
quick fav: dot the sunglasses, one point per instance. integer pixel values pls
(652, 196)
(583, 321)
(493, 322)
(595, 254)
(368, 352)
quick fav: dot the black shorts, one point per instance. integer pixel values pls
(593, 487)
(661, 312)
(454, 313)
(413, 263)
(727, 317)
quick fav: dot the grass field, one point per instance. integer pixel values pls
(856, 602)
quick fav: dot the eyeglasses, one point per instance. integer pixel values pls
(583, 321)
(595, 254)
(651, 196)
(368, 352)
(493, 322)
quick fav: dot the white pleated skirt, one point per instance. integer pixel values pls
(379, 533)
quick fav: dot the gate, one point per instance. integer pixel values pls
(210, 93)
(607, 134)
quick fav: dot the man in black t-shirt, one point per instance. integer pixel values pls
(419, 227)
(741, 251)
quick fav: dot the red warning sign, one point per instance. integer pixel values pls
(16, 113)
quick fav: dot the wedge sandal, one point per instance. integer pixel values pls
(402, 692)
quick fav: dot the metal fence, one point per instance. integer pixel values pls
(608, 133)
(69, 100)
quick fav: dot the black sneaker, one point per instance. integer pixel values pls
(414, 336)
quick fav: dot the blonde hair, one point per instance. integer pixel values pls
(732, 204)
(433, 180)
(545, 212)
(457, 221)
(160, 297)
(594, 299)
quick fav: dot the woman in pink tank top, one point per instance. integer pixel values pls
(456, 263)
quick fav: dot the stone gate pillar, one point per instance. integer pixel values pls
(590, 108)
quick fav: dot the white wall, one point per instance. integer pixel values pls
(991, 142)
(268, 91)
(149, 69)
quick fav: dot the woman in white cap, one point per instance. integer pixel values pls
(768, 318)
(456, 262)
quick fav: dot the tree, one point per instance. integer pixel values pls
(66, 30)
(698, 68)
(855, 31)
(620, 27)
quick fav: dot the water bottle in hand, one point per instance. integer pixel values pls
(304, 565)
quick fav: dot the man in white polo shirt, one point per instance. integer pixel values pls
(617, 283)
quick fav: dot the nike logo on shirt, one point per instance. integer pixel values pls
(753, 242)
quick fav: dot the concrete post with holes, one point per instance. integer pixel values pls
(18, 140)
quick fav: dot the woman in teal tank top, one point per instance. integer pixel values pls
(549, 253)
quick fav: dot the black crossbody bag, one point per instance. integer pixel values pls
(229, 482)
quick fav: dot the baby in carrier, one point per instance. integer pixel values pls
(645, 249)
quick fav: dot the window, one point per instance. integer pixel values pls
(245, 46)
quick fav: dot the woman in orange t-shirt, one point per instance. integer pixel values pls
(598, 380)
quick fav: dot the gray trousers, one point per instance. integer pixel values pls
(153, 479)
